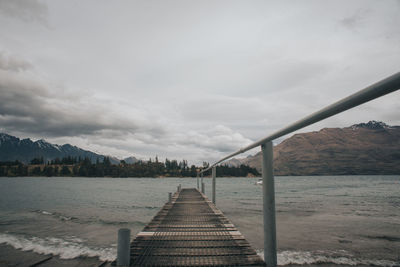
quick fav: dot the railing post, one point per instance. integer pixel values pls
(198, 185)
(123, 249)
(214, 175)
(202, 183)
(203, 188)
(169, 197)
(269, 205)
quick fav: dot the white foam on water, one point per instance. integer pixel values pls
(46, 212)
(334, 257)
(65, 249)
(73, 247)
(73, 238)
(54, 214)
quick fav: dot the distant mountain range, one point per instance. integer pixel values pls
(12, 148)
(365, 148)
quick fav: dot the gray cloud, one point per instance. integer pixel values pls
(356, 20)
(13, 63)
(28, 105)
(191, 79)
(26, 10)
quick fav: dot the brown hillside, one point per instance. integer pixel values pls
(372, 148)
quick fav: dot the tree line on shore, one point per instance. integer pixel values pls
(84, 167)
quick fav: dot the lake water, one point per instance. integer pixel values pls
(349, 220)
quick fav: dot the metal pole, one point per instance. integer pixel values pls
(214, 175)
(202, 188)
(123, 250)
(202, 183)
(269, 205)
(169, 197)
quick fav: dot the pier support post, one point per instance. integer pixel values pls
(203, 188)
(269, 205)
(169, 197)
(123, 250)
(198, 185)
(214, 177)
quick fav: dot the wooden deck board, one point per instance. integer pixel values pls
(191, 231)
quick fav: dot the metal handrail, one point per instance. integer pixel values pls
(385, 86)
(381, 88)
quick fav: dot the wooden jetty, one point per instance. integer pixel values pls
(190, 231)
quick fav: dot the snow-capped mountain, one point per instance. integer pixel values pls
(12, 148)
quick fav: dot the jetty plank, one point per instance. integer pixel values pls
(192, 231)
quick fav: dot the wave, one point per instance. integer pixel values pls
(333, 257)
(146, 207)
(46, 212)
(55, 214)
(73, 247)
(64, 218)
(68, 248)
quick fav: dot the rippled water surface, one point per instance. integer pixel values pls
(340, 219)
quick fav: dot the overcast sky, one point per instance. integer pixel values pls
(189, 79)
